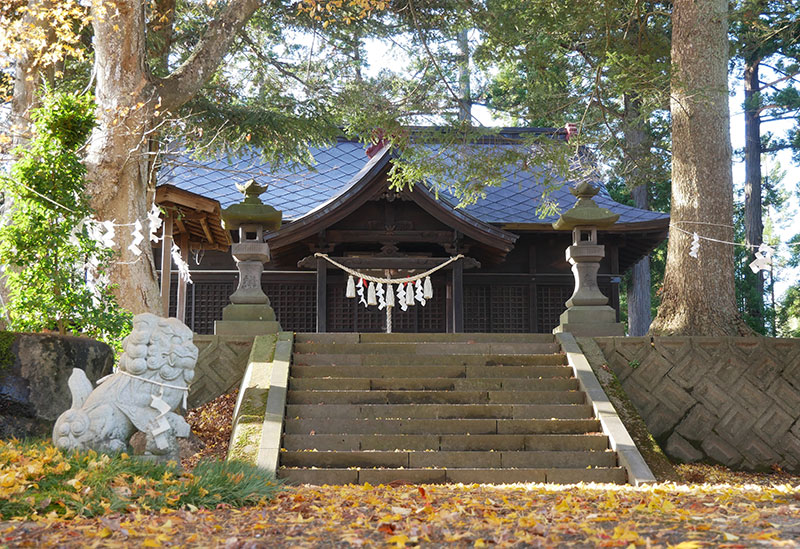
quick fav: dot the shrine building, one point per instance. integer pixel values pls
(513, 276)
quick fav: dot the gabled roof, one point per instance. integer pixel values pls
(370, 182)
(299, 190)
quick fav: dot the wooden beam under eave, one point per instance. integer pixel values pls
(181, 225)
(380, 262)
(206, 230)
(170, 194)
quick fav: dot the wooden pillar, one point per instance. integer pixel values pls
(322, 295)
(183, 243)
(448, 304)
(166, 264)
(532, 290)
(458, 296)
(614, 261)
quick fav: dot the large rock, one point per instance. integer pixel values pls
(34, 369)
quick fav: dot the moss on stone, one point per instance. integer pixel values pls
(245, 442)
(7, 358)
(656, 459)
(249, 422)
(246, 438)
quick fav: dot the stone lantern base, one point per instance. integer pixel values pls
(590, 321)
(247, 319)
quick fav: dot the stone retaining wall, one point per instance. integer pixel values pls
(734, 401)
(221, 363)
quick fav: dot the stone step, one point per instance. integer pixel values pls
(429, 348)
(349, 338)
(435, 397)
(405, 359)
(441, 411)
(448, 460)
(433, 371)
(496, 442)
(615, 475)
(294, 426)
(430, 384)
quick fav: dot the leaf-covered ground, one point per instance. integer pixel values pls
(714, 507)
(212, 423)
(461, 516)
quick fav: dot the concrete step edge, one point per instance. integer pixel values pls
(613, 475)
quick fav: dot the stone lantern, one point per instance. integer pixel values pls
(588, 313)
(250, 312)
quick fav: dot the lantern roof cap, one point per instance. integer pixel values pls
(585, 212)
(251, 211)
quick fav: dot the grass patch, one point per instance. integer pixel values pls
(37, 479)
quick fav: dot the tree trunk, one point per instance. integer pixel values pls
(753, 225)
(636, 148)
(465, 103)
(27, 80)
(117, 155)
(698, 293)
(29, 75)
(639, 302)
(130, 104)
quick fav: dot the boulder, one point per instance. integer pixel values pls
(34, 369)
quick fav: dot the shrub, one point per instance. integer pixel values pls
(56, 273)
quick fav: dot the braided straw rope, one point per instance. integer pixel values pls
(389, 280)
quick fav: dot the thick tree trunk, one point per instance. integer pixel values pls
(639, 301)
(636, 148)
(130, 103)
(29, 76)
(26, 82)
(753, 224)
(698, 293)
(117, 155)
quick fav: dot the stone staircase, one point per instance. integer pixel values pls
(433, 408)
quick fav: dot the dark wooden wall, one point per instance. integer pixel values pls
(523, 292)
(526, 293)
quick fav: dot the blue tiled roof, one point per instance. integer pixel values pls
(298, 190)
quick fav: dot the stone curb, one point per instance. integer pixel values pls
(251, 401)
(258, 415)
(618, 437)
(271, 430)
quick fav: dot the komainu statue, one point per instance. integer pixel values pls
(150, 383)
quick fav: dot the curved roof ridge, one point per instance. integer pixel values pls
(358, 191)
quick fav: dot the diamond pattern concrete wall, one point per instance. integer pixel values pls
(735, 401)
(220, 366)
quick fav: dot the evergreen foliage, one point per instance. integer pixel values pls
(54, 271)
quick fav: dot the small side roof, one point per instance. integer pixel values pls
(198, 217)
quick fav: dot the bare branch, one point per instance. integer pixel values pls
(786, 76)
(186, 80)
